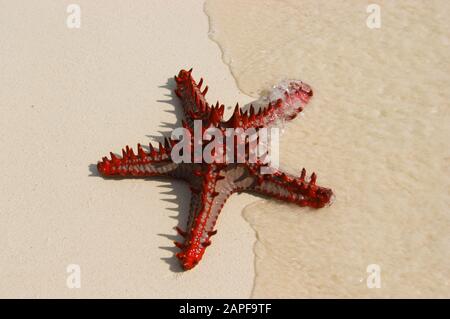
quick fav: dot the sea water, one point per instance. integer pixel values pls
(376, 131)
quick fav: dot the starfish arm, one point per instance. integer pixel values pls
(288, 188)
(155, 162)
(287, 100)
(193, 100)
(191, 95)
(210, 190)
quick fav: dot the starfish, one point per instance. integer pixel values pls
(212, 183)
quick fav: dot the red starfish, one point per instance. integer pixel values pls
(212, 183)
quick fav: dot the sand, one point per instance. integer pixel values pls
(67, 98)
(377, 132)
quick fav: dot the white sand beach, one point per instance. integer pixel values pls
(376, 132)
(69, 97)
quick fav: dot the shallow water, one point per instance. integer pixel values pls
(377, 132)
